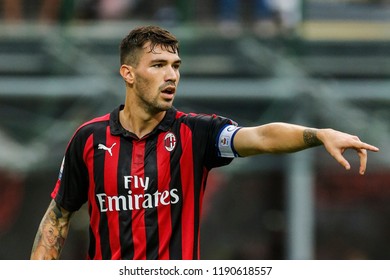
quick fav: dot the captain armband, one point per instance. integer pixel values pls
(225, 141)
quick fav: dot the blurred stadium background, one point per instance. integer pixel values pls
(319, 63)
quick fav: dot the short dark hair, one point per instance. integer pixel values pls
(136, 39)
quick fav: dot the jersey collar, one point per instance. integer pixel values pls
(117, 129)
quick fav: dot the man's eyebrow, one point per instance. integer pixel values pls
(178, 61)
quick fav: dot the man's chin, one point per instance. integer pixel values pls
(166, 106)
(162, 108)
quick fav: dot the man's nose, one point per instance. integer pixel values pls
(171, 74)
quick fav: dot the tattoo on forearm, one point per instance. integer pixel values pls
(310, 138)
(51, 234)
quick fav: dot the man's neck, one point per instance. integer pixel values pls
(139, 122)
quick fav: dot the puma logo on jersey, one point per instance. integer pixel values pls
(109, 150)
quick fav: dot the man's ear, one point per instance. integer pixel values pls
(127, 73)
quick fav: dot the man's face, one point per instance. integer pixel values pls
(156, 77)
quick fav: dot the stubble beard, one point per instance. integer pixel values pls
(154, 106)
(151, 103)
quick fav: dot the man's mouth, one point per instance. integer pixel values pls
(169, 90)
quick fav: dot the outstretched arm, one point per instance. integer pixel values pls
(52, 233)
(287, 138)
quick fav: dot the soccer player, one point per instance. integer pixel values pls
(143, 168)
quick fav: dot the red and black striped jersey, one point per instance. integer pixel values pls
(144, 195)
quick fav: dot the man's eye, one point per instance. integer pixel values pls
(157, 65)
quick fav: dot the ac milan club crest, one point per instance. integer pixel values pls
(170, 141)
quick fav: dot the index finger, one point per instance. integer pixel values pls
(366, 146)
